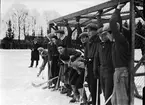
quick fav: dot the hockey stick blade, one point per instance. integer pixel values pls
(38, 85)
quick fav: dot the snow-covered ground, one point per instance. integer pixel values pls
(16, 79)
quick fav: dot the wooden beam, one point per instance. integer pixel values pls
(125, 17)
(136, 61)
(95, 15)
(140, 36)
(84, 23)
(139, 74)
(107, 10)
(132, 32)
(135, 89)
(90, 10)
(138, 96)
(135, 33)
(138, 65)
(125, 12)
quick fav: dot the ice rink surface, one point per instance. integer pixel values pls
(16, 79)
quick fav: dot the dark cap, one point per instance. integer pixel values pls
(83, 34)
(59, 31)
(54, 37)
(61, 45)
(92, 26)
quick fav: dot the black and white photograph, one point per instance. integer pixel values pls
(72, 52)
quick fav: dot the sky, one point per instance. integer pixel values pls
(63, 7)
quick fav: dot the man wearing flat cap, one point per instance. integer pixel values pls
(103, 58)
(53, 58)
(83, 34)
(84, 38)
(92, 69)
(62, 39)
(92, 26)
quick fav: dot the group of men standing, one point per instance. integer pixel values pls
(104, 64)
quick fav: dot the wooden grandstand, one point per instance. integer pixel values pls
(86, 16)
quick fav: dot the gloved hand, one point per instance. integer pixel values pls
(120, 6)
(38, 74)
(41, 68)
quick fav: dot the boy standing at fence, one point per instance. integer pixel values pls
(120, 55)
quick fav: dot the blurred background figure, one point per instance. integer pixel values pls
(34, 53)
(44, 54)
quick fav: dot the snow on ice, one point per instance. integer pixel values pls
(16, 79)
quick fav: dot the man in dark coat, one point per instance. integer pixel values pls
(90, 51)
(103, 58)
(84, 39)
(34, 53)
(62, 39)
(54, 57)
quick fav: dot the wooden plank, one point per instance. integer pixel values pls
(89, 10)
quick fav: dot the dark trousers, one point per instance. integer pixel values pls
(55, 68)
(107, 86)
(92, 84)
(32, 62)
(80, 80)
(73, 76)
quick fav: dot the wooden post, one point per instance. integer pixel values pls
(144, 8)
(49, 29)
(132, 32)
(79, 30)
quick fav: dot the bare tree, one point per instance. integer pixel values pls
(34, 15)
(19, 15)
